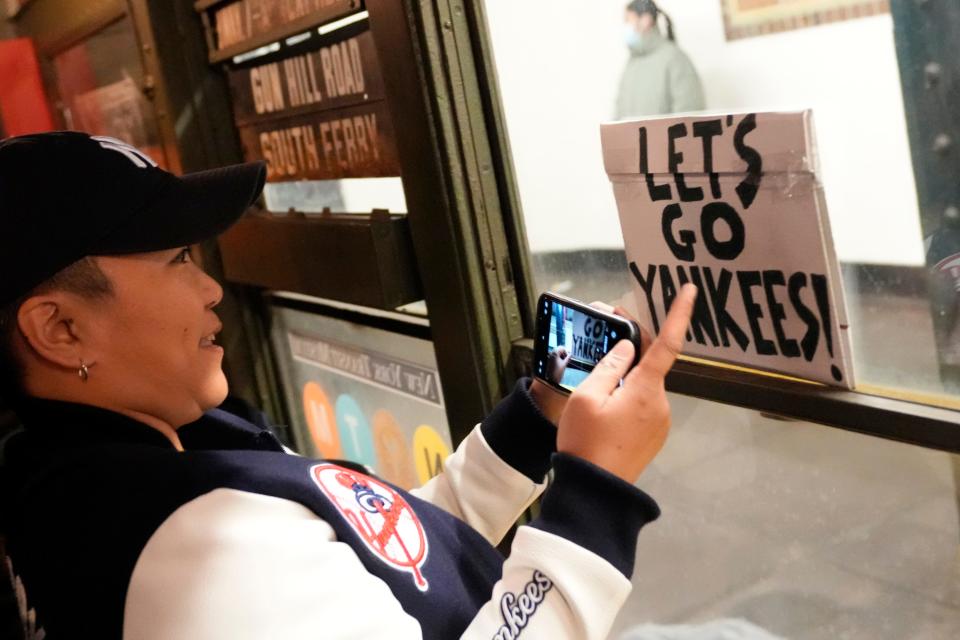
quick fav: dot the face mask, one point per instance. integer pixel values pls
(631, 38)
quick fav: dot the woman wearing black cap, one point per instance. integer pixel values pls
(658, 77)
(134, 508)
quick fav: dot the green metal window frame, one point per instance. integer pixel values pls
(465, 219)
(471, 242)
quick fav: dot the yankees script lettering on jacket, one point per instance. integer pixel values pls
(115, 534)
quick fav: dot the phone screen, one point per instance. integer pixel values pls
(575, 342)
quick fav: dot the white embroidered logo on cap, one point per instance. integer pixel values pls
(135, 156)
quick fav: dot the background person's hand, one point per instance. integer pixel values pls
(622, 428)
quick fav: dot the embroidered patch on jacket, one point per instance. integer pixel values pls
(380, 516)
(518, 609)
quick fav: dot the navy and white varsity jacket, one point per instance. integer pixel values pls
(115, 534)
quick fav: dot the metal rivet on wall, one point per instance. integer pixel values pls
(932, 73)
(951, 216)
(942, 143)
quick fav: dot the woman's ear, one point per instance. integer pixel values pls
(47, 324)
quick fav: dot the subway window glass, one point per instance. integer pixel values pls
(784, 529)
(778, 529)
(725, 58)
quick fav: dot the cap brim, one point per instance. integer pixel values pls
(192, 208)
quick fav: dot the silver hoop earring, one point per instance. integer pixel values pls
(83, 372)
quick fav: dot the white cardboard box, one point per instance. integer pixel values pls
(732, 203)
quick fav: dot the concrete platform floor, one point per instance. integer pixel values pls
(808, 532)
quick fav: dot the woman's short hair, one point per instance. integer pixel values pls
(83, 278)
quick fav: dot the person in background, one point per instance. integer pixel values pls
(658, 78)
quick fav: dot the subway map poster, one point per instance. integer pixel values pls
(362, 394)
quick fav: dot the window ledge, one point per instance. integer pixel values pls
(885, 417)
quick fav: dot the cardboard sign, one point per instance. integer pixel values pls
(732, 203)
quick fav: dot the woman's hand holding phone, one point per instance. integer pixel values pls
(621, 428)
(552, 401)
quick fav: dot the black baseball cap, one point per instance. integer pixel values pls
(66, 195)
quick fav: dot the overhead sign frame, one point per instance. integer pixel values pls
(317, 110)
(240, 26)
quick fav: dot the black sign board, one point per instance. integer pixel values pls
(243, 24)
(317, 111)
(353, 142)
(338, 71)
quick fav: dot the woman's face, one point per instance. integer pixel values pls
(153, 340)
(641, 23)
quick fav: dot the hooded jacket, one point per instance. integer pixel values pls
(658, 79)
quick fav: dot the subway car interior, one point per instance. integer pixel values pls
(429, 169)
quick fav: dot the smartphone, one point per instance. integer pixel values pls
(573, 337)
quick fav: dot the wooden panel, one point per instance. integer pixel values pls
(318, 112)
(23, 102)
(201, 5)
(245, 23)
(354, 142)
(57, 24)
(15, 6)
(360, 259)
(337, 71)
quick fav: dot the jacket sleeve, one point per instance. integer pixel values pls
(499, 469)
(568, 571)
(686, 91)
